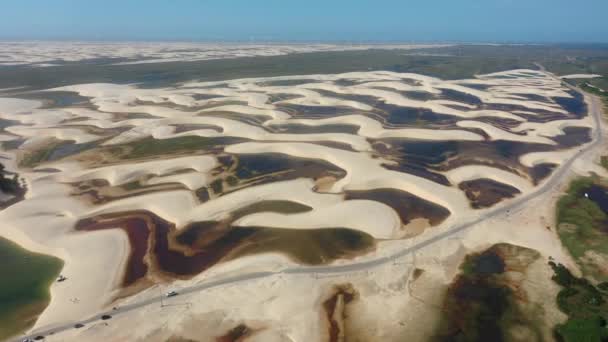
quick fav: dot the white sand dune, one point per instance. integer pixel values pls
(472, 172)
(14, 106)
(298, 190)
(371, 128)
(249, 111)
(553, 157)
(233, 128)
(43, 54)
(43, 223)
(379, 220)
(76, 135)
(363, 172)
(171, 205)
(125, 173)
(191, 180)
(501, 134)
(579, 76)
(553, 128)
(242, 108)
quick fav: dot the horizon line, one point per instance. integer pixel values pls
(300, 41)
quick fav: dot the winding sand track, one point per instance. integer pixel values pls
(595, 109)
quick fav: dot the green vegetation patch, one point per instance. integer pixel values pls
(457, 61)
(34, 158)
(586, 306)
(150, 147)
(444, 63)
(599, 87)
(589, 87)
(24, 289)
(54, 150)
(604, 162)
(141, 149)
(581, 227)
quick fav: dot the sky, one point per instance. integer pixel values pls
(307, 20)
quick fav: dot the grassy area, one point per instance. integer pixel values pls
(585, 305)
(154, 147)
(443, 63)
(24, 289)
(141, 149)
(580, 226)
(53, 150)
(150, 147)
(591, 86)
(604, 162)
(35, 157)
(602, 92)
(582, 231)
(447, 62)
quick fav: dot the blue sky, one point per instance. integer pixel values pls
(352, 20)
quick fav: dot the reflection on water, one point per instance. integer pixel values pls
(312, 247)
(429, 159)
(273, 98)
(420, 117)
(4, 123)
(201, 97)
(200, 245)
(575, 105)
(533, 97)
(193, 127)
(454, 95)
(159, 246)
(54, 99)
(287, 83)
(599, 195)
(484, 193)
(541, 171)
(573, 136)
(238, 171)
(320, 129)
(407, 206)
(315, 112)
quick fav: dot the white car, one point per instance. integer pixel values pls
(171, 294)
